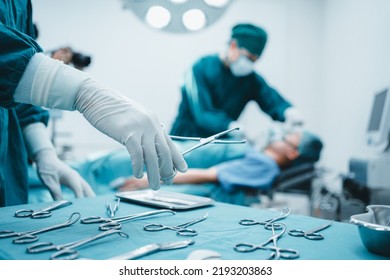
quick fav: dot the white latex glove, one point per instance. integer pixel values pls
(293, 119)
(56, 85)
(51, 170)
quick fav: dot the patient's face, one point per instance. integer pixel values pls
(286, 145)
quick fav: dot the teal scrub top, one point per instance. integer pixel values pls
(212, 97)
(16, 49)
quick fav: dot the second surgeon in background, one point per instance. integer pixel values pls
(218, 87)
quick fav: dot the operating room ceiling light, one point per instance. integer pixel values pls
(178, 16)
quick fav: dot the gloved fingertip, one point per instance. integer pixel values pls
(138, 175)
(155, 188)
(168, 182)
(182, 167)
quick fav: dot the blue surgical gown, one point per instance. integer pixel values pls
(17, 46)
(212, 97)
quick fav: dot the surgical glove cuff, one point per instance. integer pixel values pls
(37, 139)
(50, 83)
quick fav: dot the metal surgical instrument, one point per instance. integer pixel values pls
(152, 248)
(114, 223)
(112, 210)
(180, 229)
(267, 223)
(42, 213)
(310, 234)
(278, 252)
(66, 251)
(208, 140)
(30, 236)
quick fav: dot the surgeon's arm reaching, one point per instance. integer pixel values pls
(52, 84)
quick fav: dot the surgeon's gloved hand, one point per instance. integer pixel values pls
(294, 119)
(55, 85)
(52, 171)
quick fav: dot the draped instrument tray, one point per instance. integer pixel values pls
(164, 199)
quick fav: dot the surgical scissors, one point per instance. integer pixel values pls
(310, 234)
(278, 252)
(30, 236)
(66, 251)
(180, 229)
(208, 140)
(114, 223)
(42, 213)
(267, 223)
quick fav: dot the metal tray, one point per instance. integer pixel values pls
(164, 199)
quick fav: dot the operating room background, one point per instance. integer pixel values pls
(328, 57)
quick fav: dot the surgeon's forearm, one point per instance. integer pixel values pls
(196, 176)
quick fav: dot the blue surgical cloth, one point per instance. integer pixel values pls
(16, 49)
(255, 170)
(212, 97)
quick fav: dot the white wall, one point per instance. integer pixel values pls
(327, 56)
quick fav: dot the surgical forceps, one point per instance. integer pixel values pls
(114, 223)
(153, 248)
(180, 229)
(112, 210)
(278, 252)
(66, 251)
(42, 213)
(208, 140)
(267, 223)
(310, 234)
(30, 236)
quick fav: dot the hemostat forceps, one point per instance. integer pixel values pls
(180, 229)
(66, 251)
(208, 140)
(114, 223)
(30, 236)
(278, 252)
(267, 223)
(310, 234)
(42, 213)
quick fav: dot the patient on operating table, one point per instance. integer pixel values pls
(256, 170)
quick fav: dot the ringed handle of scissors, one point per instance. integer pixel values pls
(23, 213)
(248, 222)
(94, 220)
(110, 225)
(40, 247)
(7, 233)
(65, 254)
(155, 227)
(186, 232)
(245, 247)
(25, 238)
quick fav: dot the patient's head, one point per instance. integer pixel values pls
(295, 148)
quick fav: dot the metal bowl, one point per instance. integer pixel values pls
(374, 228)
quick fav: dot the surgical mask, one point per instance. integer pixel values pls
(243, 66)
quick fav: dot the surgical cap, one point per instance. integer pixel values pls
(250, 37)
(309, 148)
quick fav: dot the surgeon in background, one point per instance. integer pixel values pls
(28, 76)
(254, 170)
(218, 87)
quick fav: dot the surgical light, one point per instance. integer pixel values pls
(194, 19)
(158, 16)
(178, 16)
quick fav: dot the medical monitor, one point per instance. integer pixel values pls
(379, 122)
